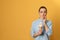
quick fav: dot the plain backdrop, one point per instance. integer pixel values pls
(16, 17)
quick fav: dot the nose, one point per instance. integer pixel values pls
(43, 14)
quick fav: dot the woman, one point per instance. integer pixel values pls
(41, 28)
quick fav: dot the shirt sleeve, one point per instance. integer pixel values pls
(49, 32)
(32, 30)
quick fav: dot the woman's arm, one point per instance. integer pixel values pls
(48, 28)
(38, 33)
(34, 35)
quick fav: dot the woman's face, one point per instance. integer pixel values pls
(43, 13)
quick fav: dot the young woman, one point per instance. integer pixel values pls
(41, 28)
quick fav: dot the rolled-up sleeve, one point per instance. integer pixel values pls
(49, 32)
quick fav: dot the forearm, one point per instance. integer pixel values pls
(35, 35)
(38, 33)
(46, 27)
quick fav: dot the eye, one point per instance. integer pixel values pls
(44, 11)
(41, 11)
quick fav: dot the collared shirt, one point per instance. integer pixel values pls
(35, 29)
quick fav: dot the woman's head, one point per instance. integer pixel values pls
(42, 12)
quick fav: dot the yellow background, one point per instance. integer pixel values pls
(16, 17)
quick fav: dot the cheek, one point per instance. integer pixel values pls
(41, 14)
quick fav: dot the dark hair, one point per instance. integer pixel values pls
(42, 7)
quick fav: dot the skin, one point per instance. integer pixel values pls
(43, 16)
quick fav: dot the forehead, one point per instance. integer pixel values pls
(42, 9)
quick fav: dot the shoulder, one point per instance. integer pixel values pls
(35, 21)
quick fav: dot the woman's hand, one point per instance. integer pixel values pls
(40, 29)
(45, 25)
(38, 33)
(44, 20)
